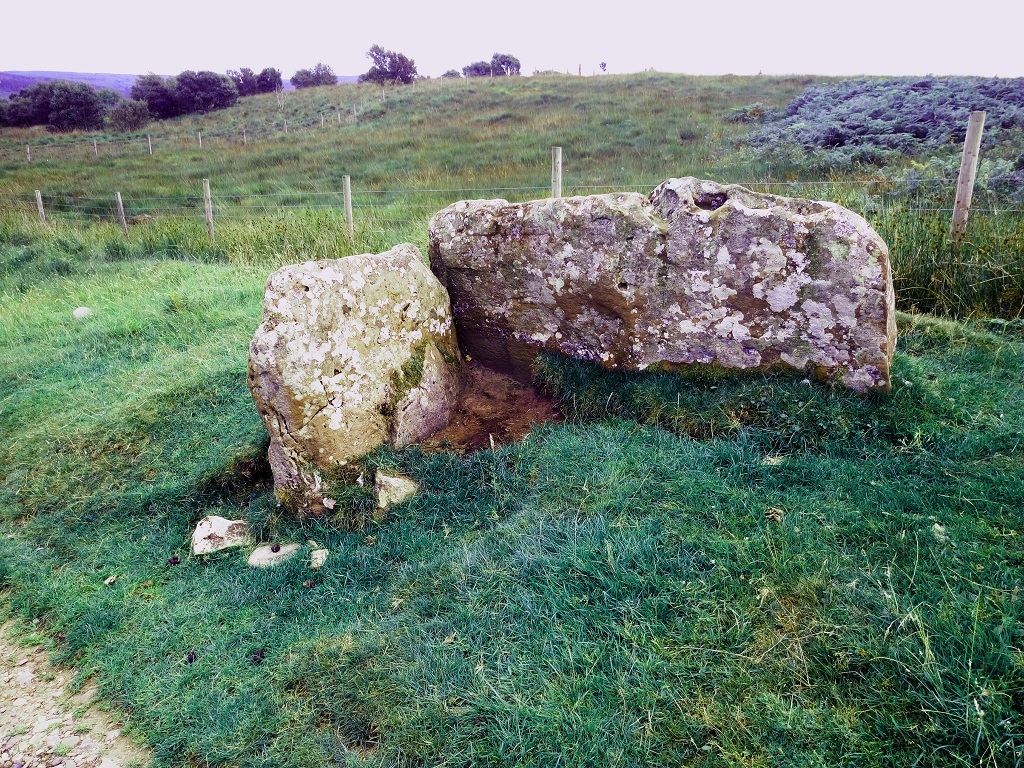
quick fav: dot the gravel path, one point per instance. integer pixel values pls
(43, 726)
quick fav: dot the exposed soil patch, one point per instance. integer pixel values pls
(492, 409)
(43, 725)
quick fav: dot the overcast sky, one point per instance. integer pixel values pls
(835, 37)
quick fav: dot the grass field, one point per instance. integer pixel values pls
(745, 571)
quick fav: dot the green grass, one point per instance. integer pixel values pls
(609, 591)
(701, 571)
(279, 196)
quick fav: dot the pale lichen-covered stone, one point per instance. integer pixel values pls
(214, 533)
(270, 555)
(352, 353)
(391, 490)
(697, 273)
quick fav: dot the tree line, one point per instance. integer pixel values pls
(62, 105)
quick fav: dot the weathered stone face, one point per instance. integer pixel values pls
(352, 353)
(698, 273)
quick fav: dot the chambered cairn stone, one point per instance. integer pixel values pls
(352, 353)
(696, 273)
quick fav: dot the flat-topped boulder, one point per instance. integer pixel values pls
(698, 273)
(352, 353)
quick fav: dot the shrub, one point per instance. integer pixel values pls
(204, 91)
(321, 74)
(877, 120)
(129, 115)
(388, 67)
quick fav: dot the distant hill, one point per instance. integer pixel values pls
(12, 82)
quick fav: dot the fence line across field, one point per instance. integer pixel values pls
(964, 189)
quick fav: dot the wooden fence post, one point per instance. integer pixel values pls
(208, 202)
(200, 135)
(349, 224)
(556, 171)
(968, 173)
(95, 148)
(244, 139)
(150, 140)
(338, 113)
(28, 152)
(39, 206)
(321, 119)
(286, 126)
(120, 214)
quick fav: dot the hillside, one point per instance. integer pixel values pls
(707, 571)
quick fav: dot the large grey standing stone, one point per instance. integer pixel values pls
(352, 353)
(697, 273)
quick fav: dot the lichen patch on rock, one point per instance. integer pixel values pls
(696, 273)
(352, 353)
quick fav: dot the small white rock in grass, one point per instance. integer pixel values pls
(214, 533)
(81, 313)
(393, 489)
(266, 557)
(317, 558)
(940, 532)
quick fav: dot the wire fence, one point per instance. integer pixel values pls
(415, 205)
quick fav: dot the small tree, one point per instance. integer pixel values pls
(74, 107)
(245, 81)
(3, 112)
(452, 73)
(129, 115)
(269, 80)
(159, 95)
(204, 91)
(477, 69)
(321, 74)
(31, 106)
(388, 67)
(504, 64)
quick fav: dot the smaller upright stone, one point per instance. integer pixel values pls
(214, 533)
(352, 353)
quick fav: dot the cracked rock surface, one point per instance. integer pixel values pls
(696, 273)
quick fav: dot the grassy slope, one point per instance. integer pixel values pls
(428, 146)
(611, 591)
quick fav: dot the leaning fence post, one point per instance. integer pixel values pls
(347, 187)
(39, 206)
(120, 214)
(208, 202)
(556, 171)
(968, 173)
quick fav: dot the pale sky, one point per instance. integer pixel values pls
(829, 37)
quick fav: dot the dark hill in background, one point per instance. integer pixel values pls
(12, 82)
